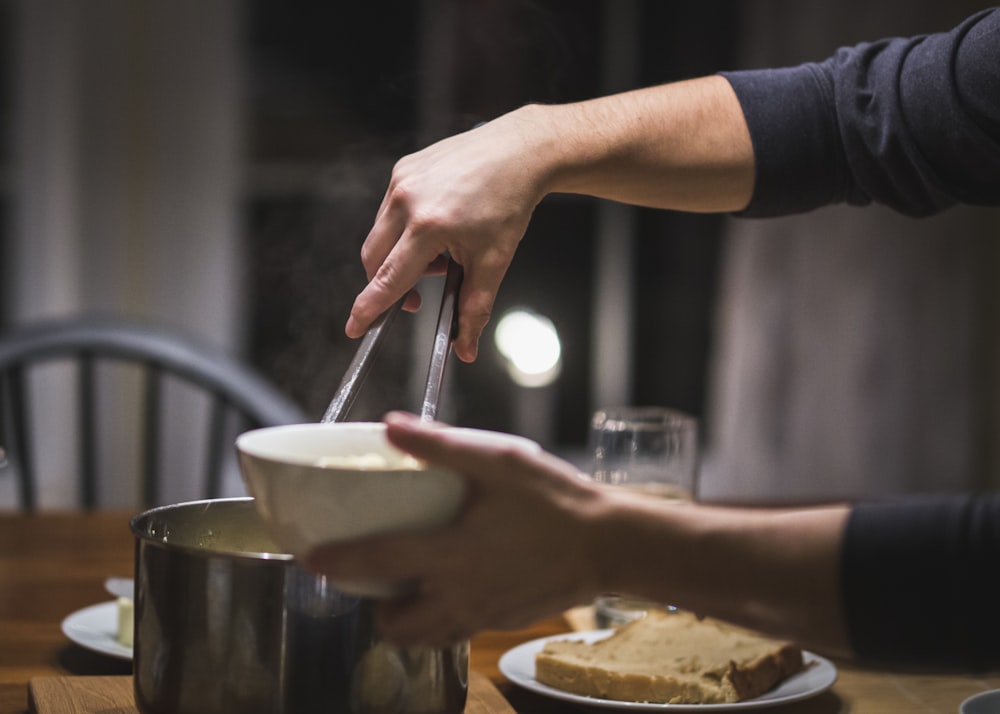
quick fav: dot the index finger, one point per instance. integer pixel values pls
(397, 274)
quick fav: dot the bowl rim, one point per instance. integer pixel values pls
(247, 445)
(245, 442)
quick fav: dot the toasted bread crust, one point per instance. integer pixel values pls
(762, 675)
(670, 658)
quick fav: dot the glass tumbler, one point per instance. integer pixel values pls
(651, 451)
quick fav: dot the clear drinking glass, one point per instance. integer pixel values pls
(649, 450)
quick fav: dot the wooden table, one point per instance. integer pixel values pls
(54, 564)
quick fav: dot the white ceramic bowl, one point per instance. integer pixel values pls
(367, 487)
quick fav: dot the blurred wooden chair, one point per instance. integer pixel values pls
(158, 359)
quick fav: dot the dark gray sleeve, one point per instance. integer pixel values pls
(920, 581)
(910, 123)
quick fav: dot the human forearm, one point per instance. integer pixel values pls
(535, 537)
(772, 570)
(683, 146)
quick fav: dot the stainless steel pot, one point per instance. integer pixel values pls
(225, 622)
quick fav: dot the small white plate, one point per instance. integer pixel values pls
(982, 703)
(96, 628)
(518, 665)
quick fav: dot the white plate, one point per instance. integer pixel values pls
(518, 665)
(96, 628)
(982, 703)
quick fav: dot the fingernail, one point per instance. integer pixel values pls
(351, 328)
(401, 417)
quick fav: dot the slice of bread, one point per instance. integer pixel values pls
(670, 658)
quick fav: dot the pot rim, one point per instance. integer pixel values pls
(142, 535)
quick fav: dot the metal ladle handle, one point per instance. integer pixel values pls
(447, 329)
(361, 365)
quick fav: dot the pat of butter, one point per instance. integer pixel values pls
(126, 621)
